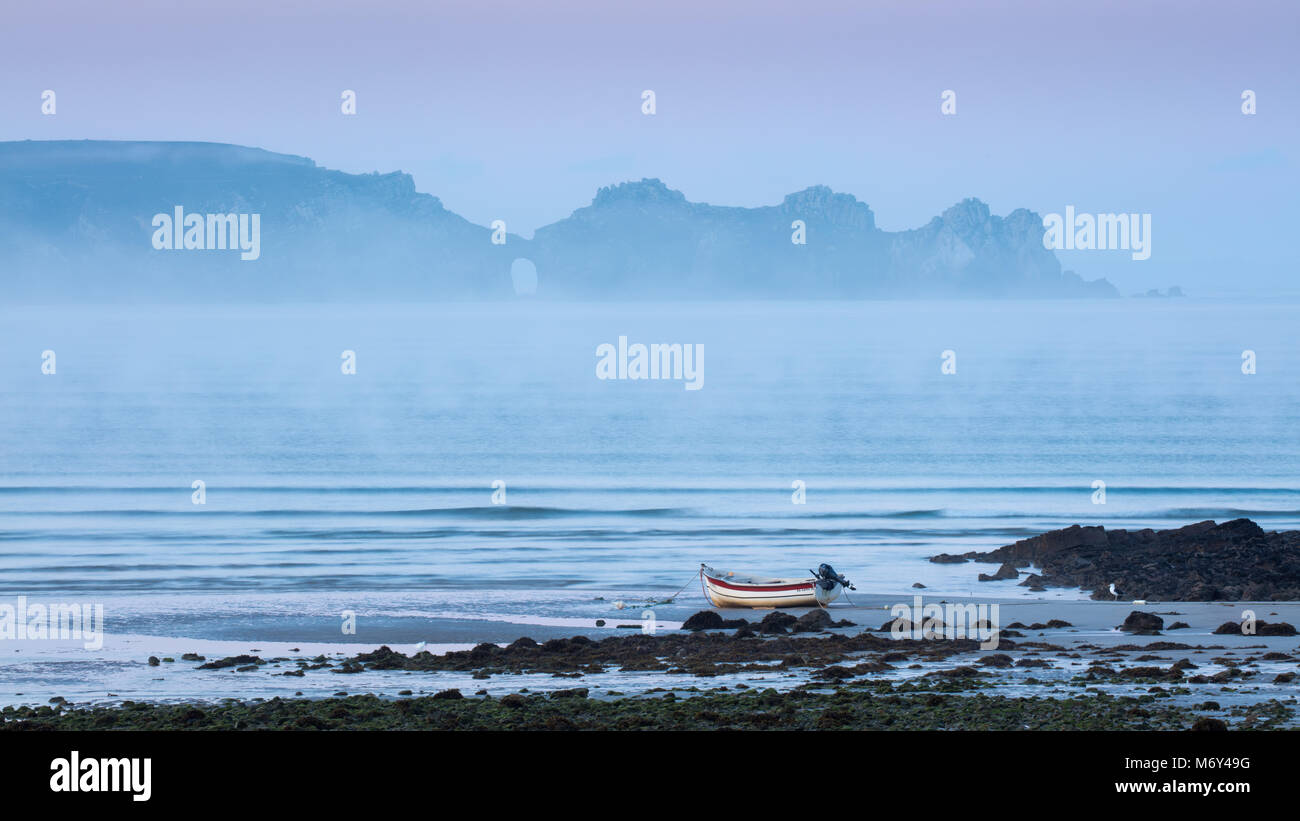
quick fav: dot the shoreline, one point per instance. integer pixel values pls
(1052, 660)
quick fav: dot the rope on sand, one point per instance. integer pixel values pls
(680, 590)
(653, 602)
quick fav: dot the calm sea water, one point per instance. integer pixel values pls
(323, 488)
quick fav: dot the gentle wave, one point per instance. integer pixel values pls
(525, 513)
(484, 511)
(592, 534)
(723, 487)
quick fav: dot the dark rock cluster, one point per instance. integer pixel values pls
(774, 623)
(698, 654)
(1233, 561)
(1258, 628)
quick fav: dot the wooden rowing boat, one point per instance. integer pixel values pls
(729, 589)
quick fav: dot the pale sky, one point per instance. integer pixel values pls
(520, 110)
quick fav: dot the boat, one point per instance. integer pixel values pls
(728, 589)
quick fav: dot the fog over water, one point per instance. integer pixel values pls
(383, 480)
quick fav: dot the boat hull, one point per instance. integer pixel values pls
(723, 592)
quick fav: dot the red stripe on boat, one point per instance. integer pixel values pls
(762, 588)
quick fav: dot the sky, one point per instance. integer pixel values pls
(521, 110)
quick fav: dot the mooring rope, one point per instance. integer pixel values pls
(652, 602)
(680, 590)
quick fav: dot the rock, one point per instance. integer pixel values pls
(703, 620)
(948, 558)
(1149, 672)
(1178, 625)
(776, 622)
(906, 626)
(1261, 628)
(576, 692)
(918, 585)
(153, 661)
(1284, 678)
(1205, 723)
(813, 621)
(1053, 624)
(523, 643)
(385, 658)
(816, 620)
(995, 660)
(600, 622)
(833, 673)
(1277, 628)
(1207, 561)
(1144, 624)
(1006, 571)
(710, 620)
(231, 661)
(193, 657)
(452, 694)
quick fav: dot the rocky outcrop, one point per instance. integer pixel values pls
(1206, 561)
(640, 238)
(1006, 571)
(76, 220)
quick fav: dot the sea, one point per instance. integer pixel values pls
(452, 473)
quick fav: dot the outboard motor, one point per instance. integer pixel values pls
(827, 578)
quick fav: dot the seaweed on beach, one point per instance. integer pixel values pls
(697, 653)
(843, 709)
